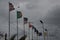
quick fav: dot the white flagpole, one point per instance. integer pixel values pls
(10, 9)
(32, 33)
(29, 31)
(17, 27)
(47, 34)
(43, 31)
(24, 26)
(42, 28)
(9, 24)
(37, 36)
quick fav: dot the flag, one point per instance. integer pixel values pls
(11, 6)
(45, 29)
(37, 32)
(25, 20)
(34, 28)
(41, 21)
(45, 33)
(40, 34)
(19, 14)
(30, 25)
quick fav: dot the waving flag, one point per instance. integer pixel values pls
(40, 34)
(45, 33)
(30, 25)
(19, 14)
(41, 21)
(37, 32)
(34, 28)
(25, 20)
(45, 29)
(11, 6)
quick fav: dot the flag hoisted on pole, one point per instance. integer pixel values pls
(19, 15)
(40, 33)
(32, 30)
(43, 28)
(37, 33)
(11, 7)
(30, 25)
(35, 30)
(32, 33)
(46, 33)
(25, 21)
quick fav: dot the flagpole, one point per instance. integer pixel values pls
(29, 32)
(47, 34)
(9, 24)
(42, 28)
(19, 15)
(37, 37)
(24, 22)
(24, 26)
(43, 31)
(17, 28)
(32, 33)
(11, 7)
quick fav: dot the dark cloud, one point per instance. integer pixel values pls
(54, 15)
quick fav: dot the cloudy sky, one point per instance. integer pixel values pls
(34, 10)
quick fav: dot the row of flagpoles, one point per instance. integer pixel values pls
(25, 20)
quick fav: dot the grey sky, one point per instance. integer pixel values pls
(46, 10)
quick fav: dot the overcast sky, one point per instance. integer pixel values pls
(34, 10)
